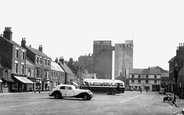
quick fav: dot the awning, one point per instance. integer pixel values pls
(23, 79)
(1, 80)
(8, 79)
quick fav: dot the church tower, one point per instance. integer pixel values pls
(123, 58)
(102, 59)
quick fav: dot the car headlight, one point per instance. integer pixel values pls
(90, 92)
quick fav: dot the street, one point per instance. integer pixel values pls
(129, 103)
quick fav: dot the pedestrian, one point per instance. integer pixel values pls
(174, 100)
(147, 90)
(140, 89)
(118, 88)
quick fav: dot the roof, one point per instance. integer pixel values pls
(29, 62)
(136, 71)
(66, 68)
(56, 67)
(165, 75)
(37, 51)
(149, 71)
(172, 59)
(12, 42)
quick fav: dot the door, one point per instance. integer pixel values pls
(69, 91)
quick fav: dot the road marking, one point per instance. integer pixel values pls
(130, 98)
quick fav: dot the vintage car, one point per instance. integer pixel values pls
(64, 90)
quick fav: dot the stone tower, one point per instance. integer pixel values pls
(123, 58)
(102, 59)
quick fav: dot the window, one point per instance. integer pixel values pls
(139, 81)
(132, 75)
(146, 81)
(16, 53)
(22, 55)
(155, 81)
(69, 88)
(48, 62)
(29, 72)
(132, 81)
(146, 76)
(139, 76)
(155, 76)
(40, 60)
(16, 67)
(45, 61)
(22, 68)
(62, 87)
(37, 59)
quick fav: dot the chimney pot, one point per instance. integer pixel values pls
(8, 33)
(40, 48)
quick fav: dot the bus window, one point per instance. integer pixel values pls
(97, 84)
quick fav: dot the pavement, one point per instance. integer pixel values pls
(16, 93)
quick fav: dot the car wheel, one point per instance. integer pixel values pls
(57, 95)
(85, 97)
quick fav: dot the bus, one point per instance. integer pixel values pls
(103, 85)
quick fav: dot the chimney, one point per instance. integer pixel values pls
(40, 48)
(8, 33)
(23, 42)
(61, 60)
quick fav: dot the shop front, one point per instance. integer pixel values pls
(7, 84)
(22, 84)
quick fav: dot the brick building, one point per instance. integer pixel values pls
(42, 64)
(57, 75)
(175, 65)
(13, 57)
(146, 78)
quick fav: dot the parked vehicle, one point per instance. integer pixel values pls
(64, 90)
(104, 85)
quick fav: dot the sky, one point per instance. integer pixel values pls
(68, 28)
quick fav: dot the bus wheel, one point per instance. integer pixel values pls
(113, 92)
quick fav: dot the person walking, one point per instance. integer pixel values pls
(140, 89)
(174, 100)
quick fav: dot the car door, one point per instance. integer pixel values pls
(62, 90)
(69, 91)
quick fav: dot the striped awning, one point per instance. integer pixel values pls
(23, 79)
